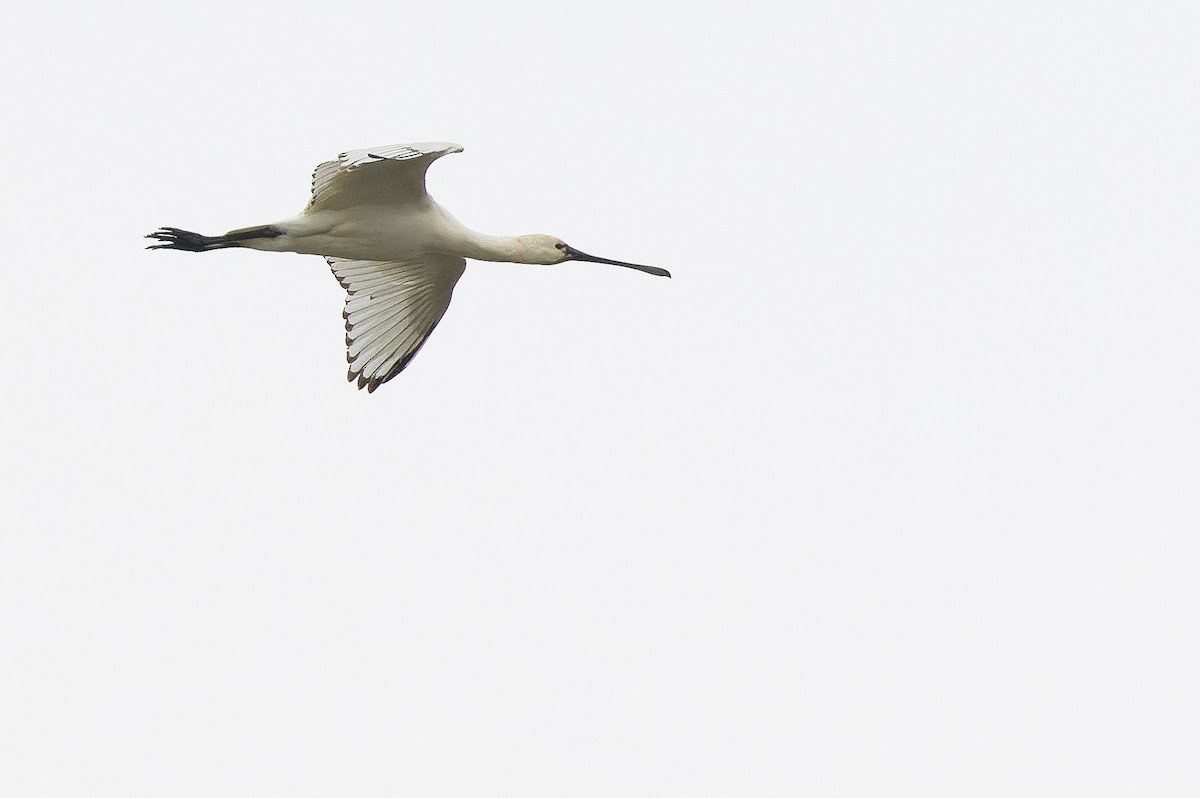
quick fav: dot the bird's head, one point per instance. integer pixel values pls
(548, 250)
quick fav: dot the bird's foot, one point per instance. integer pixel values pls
(174, 238)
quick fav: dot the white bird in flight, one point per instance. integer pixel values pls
(397, 253)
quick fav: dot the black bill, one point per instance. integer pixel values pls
(574, 254)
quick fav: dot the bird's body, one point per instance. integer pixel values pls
(396, 251)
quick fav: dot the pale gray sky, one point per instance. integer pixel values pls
(892, 490)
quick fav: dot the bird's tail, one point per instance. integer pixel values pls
(174, 238)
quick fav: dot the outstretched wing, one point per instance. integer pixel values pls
(392, 175)
(391, 308)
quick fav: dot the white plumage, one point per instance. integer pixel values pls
(397, 253)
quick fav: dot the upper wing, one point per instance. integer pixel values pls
(392, 175)
(391, 308)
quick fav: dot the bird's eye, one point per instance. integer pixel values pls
(560, 245)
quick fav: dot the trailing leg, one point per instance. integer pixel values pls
(174, 238)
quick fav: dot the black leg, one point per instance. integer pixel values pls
(187, 241)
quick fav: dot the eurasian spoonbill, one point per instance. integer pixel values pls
(397, 253)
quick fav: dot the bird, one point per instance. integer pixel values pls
(397, 252)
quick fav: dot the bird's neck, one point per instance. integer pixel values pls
(481, 246)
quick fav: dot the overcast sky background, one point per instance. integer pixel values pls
(891, 491)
